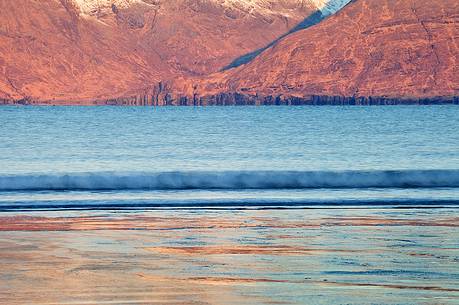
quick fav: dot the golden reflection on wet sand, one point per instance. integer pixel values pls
(229, 257)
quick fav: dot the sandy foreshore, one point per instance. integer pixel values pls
(311, 256)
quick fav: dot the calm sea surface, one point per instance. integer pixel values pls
(76, 157)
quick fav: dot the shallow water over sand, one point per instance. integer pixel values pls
(312, 256)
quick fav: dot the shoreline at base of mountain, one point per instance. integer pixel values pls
(241, 99)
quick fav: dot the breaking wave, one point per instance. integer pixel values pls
(231, 180)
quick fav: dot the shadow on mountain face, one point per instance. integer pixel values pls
(309, 21)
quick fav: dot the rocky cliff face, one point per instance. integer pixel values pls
(85, 50)
(389, 49)
(49, 50)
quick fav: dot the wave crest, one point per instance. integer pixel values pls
(232, 180)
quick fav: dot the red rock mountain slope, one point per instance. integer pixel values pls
(68, 51)
(159, 52)
(373, 51)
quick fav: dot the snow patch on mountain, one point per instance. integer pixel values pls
(91, 7)
(329, 7)
(261, 6)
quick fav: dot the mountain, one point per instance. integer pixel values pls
(372, 51)
(84, 50)
(325, 9)
(50, 50)
(190, 52)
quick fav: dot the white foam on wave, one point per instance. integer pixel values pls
(232, 180)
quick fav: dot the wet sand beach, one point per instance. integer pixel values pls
(258, 256)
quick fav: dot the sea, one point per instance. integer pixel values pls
(123, 158)
(229, 205)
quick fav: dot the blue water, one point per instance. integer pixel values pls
(77, 157)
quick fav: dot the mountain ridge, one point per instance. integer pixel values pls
(370, 52)
(65, 51)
